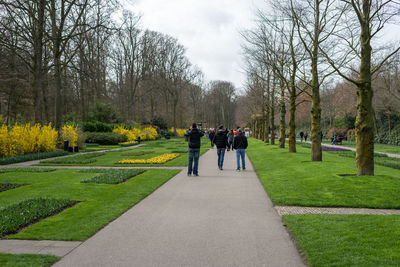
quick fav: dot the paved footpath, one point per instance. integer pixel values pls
(221, 218)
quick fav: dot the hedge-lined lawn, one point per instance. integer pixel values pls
(292, 179)
(149, 150)
(347, 240)
(22, 260)
(99, 203)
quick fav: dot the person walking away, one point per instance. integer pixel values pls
(301, 136)
(240, 144)
(194, 136)
(230, 136)
(305, 137)
(211, 135)
(221, 141)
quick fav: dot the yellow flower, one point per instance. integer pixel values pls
(155, 160)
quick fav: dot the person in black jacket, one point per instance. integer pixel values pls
(240, 144)
(194, 139)
(221, 141)
(211, 135)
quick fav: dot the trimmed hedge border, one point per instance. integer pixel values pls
(34, 156)
(79, 159)
(7, 170)
(15, 217)
(111, 176)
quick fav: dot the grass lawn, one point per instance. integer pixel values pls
(377, 147)
(22, 260)
(150, 149)
(292, 179)
(99, 203)
(347, 240)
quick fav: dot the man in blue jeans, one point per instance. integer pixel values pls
(221, 141)
(240, 144)
(194, 138)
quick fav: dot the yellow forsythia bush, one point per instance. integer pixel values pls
(148, 133)
(70, 133)
(22, 139)
(179, 132)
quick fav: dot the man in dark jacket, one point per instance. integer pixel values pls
(211, 135)
(240, 144)
(221, 141)
(194, 138)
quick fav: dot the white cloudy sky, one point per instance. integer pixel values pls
(209, 29)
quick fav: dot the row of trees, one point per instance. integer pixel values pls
(68, 59)
(305, 46)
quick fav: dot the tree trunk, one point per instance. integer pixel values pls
(365, 114)
(282, 125)
(316, 148)
(292, 122)
(57, 78)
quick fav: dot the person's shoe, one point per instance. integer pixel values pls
(221, 168)
(195, 175)
(238, 169)
(243, 169)
(189, 174)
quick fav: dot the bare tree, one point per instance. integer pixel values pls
(372, 17)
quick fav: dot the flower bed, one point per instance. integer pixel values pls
(7, 186)
(112, 176)
(15, 217)
(324, 148)
(5, 170)
(155, 160)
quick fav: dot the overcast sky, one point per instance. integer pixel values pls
(209, 29)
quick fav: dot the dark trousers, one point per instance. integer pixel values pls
(193, 166)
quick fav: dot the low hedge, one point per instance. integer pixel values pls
(111, 176)
(79, 159)
(105, 138)
(15, 217)
(29, 157)
(97, 126)
(5, 170)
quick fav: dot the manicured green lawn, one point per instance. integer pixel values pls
(156, 148)
(347, 240)
(25, 260)
(292, 179)
(99, 203)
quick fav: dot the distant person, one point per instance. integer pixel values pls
(211, 135)
(305, 137)
(230, 135)
(301, 136)
(221, 141)
(322, 136)
(194, 136)
(240, 144)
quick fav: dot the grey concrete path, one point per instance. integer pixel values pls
(57, 248)
(221, 218)
(287, 210)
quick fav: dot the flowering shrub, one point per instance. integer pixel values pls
(148, 133)
(179, 132)
(24, 139)
(70, 133)
(337, 132)
(156, 160)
